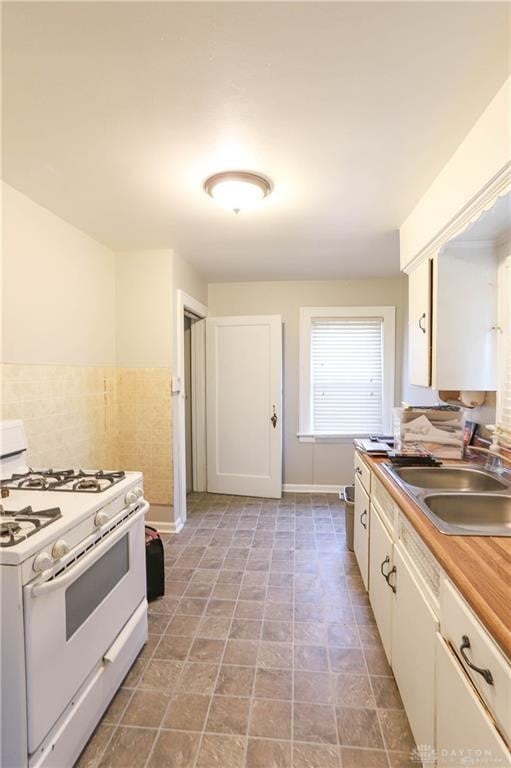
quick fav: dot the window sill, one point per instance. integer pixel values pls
(307, 437)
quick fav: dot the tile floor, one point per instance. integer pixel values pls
(262, 654)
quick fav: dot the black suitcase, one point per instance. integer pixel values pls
(154, 561)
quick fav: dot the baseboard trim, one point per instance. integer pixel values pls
(166, 527)
(294, 488)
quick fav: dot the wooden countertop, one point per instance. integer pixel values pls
(479, 566)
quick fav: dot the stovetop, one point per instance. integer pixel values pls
(17, 525)
(78, 516)
(71, 480)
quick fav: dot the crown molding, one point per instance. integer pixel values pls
(485, 199)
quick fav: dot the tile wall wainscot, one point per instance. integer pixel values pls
(144, 416)
(69, 412)
(93, 416)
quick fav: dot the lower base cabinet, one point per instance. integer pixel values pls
(465, 733)
(414, 630)
(380, 589)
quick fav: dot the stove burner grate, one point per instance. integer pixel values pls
(15, 526)
(63, 480)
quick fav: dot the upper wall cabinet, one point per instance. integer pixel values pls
(419, 324)
(453, 319)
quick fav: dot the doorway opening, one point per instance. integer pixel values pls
(189, 403)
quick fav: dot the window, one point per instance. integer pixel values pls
(346, 371)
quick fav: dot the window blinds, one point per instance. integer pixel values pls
(347, 375)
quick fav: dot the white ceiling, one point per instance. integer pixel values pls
(115, 113)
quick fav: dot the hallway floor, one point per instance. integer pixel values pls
(262, 654)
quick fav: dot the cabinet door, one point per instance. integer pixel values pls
(380, 593)
(414, 629)
(465, 733)
(361, 530)
(419, 324)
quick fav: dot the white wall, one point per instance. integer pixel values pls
(484, 152)
(186, 278)
(143, 306)
(57, 289)
(307, 463)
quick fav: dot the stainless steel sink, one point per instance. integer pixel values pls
(477, 514)
(450, 478)
(459, 500)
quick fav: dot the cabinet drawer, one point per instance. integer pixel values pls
(385, 504)
(457, 620)
(363, 472)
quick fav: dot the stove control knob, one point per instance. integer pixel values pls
(131, 498)
(139, 492)
(42, 562)
(101, 519)
(60, 548)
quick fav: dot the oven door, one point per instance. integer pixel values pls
(72, 619)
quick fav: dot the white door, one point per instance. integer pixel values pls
(414, 628)
(419, 324)
(243, 397)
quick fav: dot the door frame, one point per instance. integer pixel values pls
(183, 302)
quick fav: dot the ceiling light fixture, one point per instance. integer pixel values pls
(235, 190)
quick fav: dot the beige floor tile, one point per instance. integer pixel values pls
(315, 756)
(198, 678)
(347, 660)
(205, 649)
(183, 625)
(186, 712)
(314, 722)
(277, 631)
(221, 751)
(117, 706)
(386, 693)
(91, 755)
(128, 746)
(270, 719)
(311, 657)
(396, 730)
(268, 754)
(172, 648)
(228, 715)
(249, 609)
(275, 655)
(363, 758)
(146, 709)
(354, 691)
(235, 681)
(173, 749)
(273, 684)
(313, 687)
(245, 629)
(161, 675)
(216, 627)
(241, 652)
(359, 728)
(220, 607)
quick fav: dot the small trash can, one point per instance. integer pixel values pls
(348, 494)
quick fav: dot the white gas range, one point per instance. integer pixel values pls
(73, 601)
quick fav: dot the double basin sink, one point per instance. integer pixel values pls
(460, 501)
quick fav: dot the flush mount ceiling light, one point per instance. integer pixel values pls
(235, 190)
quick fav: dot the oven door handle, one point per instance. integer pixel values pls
(85, 561)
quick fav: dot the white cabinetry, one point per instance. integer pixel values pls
(381, 579)
(452, 342)
(419, 324)
(464, 731)
(361, 530)
(414, 628)
(361, 516)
